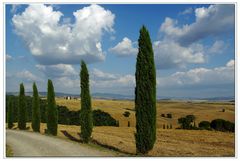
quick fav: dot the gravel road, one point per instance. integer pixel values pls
(24, 143)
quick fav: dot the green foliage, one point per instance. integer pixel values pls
(126, 114)
(35, 110)
(52, 114)
(145, 94)
(86, 107)
(204, 125)
(101, 118)
(22, 112)
(10, 115)
(186, 122)
(222, 125)
(169, 115)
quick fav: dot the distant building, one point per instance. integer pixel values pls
(68, 98)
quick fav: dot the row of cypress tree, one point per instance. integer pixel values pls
(22, 113)
(145, 100)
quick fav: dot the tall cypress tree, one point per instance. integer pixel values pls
(10, 114)
(52, 118)
(86, 109)
(35, 110)
(145, 94)
(22, 112)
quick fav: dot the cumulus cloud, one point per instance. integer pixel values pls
(51, 42)
(211, 21)
(28, 76)
(59, 70)
(218, 76)
(9, 57)
(124, 48)
(169, 54)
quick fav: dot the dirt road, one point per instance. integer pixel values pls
(24, 143)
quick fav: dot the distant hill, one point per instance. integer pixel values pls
(128, 97)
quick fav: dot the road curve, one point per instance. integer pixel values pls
(28, 144)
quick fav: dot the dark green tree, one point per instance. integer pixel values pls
(35, 110)
(22, 112)
(86, 107)
(145, 94)
(52, 113)
(10, 116)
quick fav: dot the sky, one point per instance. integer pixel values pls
(193, 47)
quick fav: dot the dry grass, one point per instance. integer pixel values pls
(202, 111)
(170, 142)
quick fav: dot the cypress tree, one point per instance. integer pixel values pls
(10, 114)
(35, 110)
(145, 94)
(22, 112)
(52, 116)
(86, 109)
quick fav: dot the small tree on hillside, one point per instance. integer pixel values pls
(86, 107)
(145, 94)
(10, 114)
(22, 113)
(35, 110)
(52, 115)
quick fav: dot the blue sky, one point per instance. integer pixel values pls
(193, 46)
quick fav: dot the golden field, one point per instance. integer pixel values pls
(170, 142)
(202, 110)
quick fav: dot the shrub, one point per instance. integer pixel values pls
(169, 115)
(126, 114)
(222, 125)
(223, 110)
(163, 126)
(128, 123)
(163, 115)
(101, 118)
(204, 125)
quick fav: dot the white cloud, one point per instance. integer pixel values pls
(212, 21)
(99, 75)
(59, 70)
(218, 47)
(124, 48)
(28, 76)
(169, 54)
(53, 43)
(218, 76)
(9, 57)
(100, 79)
(187, 11)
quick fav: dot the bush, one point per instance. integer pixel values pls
(223, 110)
(128, 123)
(222, 125)
(163, 115)
(204, 125)
(169, 115)
(101, 118)
(126, 114)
